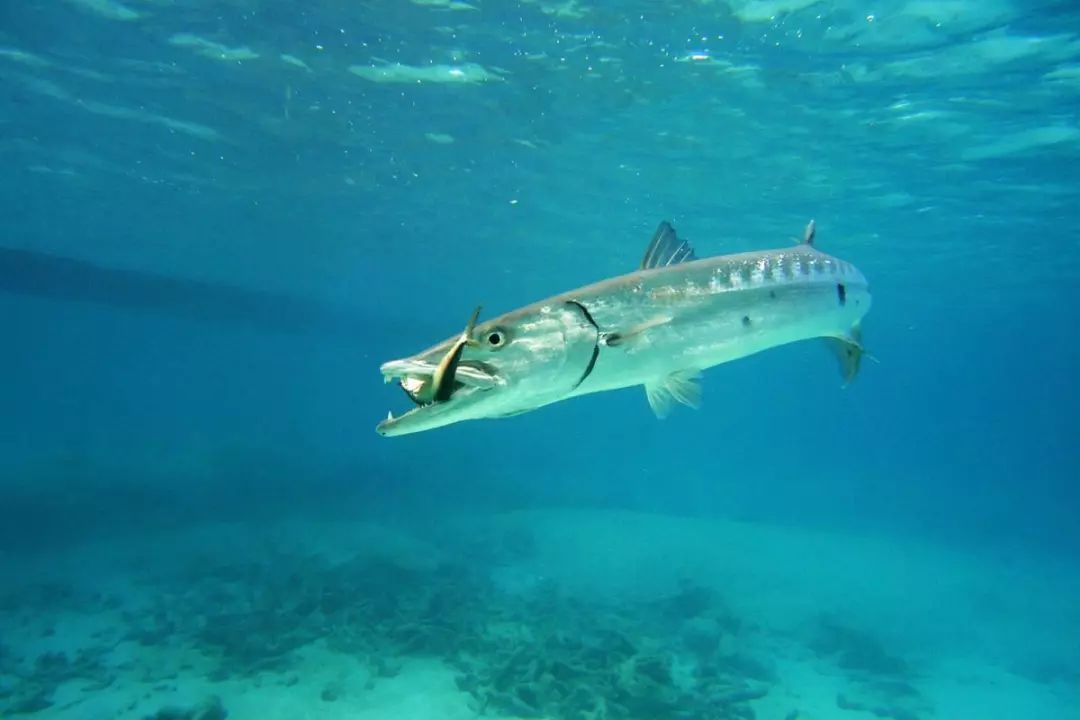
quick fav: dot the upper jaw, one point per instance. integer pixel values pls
(414, 375)
(473, 374)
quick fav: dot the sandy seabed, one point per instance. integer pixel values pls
(575, 615)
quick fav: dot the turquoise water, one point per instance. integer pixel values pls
(222, 218)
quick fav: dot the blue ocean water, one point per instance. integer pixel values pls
(222, 217)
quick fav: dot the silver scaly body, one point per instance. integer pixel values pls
(657, 327)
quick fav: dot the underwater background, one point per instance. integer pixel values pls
(221, 218)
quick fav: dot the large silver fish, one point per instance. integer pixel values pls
(657, 327)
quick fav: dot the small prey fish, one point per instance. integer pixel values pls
(658, 326)
(440, 384)
(442, 381)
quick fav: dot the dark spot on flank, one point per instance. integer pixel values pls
(746, 321)
(841, 293)
(772, 294)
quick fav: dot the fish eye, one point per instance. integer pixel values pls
(496, 338)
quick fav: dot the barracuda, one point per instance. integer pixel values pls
(657, 327)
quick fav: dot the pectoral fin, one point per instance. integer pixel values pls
(615, 339)
(682, 386)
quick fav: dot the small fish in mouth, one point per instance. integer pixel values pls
(441, 384)
(417, 388)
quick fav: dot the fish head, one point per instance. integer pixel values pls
(514, 363)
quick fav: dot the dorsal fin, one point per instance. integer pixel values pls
(809, 232)
(666, 249)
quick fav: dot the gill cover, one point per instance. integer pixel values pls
(549, 355)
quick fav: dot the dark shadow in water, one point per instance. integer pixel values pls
(26, 272)
(74, 497)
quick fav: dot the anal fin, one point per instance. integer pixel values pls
(849, 353)
(682, 386)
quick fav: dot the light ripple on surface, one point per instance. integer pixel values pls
(211, 49)
(107, 9)
(1026, 141)
(467, 73)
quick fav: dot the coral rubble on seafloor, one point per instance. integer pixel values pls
(878, 683)
(524, 655)
(534, 653)
(212, 709)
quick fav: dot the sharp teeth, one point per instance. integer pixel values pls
(387, 378)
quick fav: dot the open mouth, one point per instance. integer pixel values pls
(416, 379)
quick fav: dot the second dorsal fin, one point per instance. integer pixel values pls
(666, 249)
